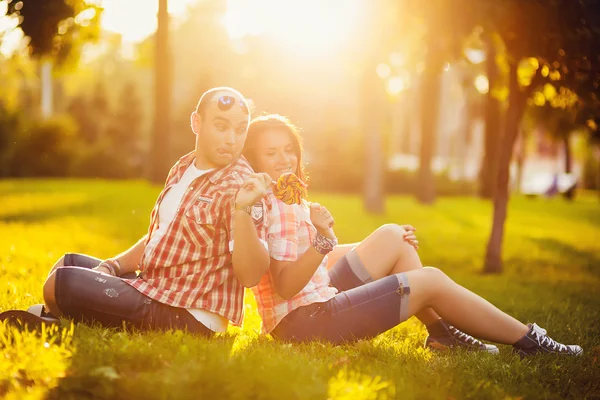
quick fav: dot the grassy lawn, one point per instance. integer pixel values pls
(552, 262)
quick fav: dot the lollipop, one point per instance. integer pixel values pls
(289, 189)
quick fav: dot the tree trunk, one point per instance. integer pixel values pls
(430, 107)
(598, 181)
(488, 171)
(372, 117)
(516, 106)
(46, 88)
(521, 156)
(159, 162)
(570, 193)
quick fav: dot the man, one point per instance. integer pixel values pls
(194, 264)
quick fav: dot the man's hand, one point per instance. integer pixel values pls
(102, 268)
(322, 220)
(253, 189)
(410, 237)
(110, 267)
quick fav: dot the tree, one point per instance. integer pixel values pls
(55, 29)
(534, 34)
(446, 26)
(373, 102)
(162, 98)
(492, 116)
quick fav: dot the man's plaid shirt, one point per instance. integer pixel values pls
(191, 265)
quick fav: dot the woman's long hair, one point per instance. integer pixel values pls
(278, 122)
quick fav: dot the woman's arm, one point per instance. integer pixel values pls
(290, 277)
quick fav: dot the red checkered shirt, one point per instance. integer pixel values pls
(289, 234)
(191, 265)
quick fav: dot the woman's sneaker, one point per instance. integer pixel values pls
(454, 338)
(536, 341)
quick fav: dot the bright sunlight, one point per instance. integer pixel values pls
(117, 16)
(310, 26)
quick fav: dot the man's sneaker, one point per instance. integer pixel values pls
(536, 341)
(22, 319)
(455, 338)
(39, 310)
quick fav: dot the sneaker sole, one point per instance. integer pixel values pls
(437, 346)
(22, 319)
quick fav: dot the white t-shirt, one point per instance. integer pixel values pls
(166, 213)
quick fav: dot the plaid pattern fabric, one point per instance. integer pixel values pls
(191, 265)
(289, 235)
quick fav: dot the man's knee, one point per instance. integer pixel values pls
(58, 264)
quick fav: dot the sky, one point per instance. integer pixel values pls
(117, 16)
(310, 25)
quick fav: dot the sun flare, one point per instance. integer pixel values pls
(136, 19)
(310, 25)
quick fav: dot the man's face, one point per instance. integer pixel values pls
(221, 131)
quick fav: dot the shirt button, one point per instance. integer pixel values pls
(191, 188)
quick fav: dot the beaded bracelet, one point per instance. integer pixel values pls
(324, 245)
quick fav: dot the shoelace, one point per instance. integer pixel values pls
(547, 342)
(463, 337)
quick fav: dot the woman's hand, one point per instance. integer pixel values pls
(322, 220)
(410, 237)
(253, 189)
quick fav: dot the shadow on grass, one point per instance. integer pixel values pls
(42, 215)
(570, 253)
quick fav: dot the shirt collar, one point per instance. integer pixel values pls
(233, 168)
(216, 175)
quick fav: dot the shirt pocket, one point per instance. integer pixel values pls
(202, 226)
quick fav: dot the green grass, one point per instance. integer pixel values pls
(552, 262)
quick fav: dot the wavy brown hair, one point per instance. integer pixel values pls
(277, 122)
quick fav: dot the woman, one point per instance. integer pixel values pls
(368, 288)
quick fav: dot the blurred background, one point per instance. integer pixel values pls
(78, 86)
(433, 98)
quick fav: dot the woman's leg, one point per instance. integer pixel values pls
(382, 253)
(338, 252)
(430, 287)
(373, 308)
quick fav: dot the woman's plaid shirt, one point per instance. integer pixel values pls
(191, 265)
(290, 234)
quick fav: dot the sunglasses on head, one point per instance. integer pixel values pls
(225, 103)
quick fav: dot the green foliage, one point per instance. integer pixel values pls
(44, 148)
(57, 27)
(110, 138)
(552, 277)
(94, 139)
(11, 129)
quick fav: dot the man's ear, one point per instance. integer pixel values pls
(196, 122)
